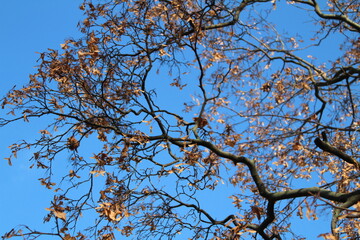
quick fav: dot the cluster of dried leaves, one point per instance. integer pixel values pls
(184, 97)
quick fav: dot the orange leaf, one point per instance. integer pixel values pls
(257, 211)
(61, 215)
(58, 214)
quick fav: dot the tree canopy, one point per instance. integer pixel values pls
(161, 102)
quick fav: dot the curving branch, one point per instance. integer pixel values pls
(325, 146)
(339, 17)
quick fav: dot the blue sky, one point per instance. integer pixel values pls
(28, 27)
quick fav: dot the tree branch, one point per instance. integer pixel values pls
(333, 150)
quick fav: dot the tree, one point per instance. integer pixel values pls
(185, 97)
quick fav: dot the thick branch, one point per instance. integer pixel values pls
(342, 17)
(333, 150)
(337, 211)
(307, 192)
(340, 75)
(238, 159)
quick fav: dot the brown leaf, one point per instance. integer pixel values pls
(201, 122)
(58, 214)
(256, 210)
(61, 215)
(72, 143)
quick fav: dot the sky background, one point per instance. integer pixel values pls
(28, 27)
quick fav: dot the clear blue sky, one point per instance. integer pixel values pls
(28, 27)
